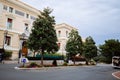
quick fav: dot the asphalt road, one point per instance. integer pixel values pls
(99, 72)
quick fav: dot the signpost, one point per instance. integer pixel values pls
(24, 61)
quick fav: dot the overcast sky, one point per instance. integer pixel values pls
(97, 18)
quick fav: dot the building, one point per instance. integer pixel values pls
(62, 31)
(16, 20)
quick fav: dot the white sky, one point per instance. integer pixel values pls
(97, 18)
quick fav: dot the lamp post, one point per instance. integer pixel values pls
(22, 37)
(4, 40)
(2, 50)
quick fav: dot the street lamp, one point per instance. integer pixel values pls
(4, 40)
(22, 37)
(2, 51)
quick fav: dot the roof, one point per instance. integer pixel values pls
(64, 25)
(23, 5)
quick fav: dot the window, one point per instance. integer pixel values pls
(59, 33)
(27, 15)
(7, 40)
(32, 17)
(9, 23)
(5, 7)
(66, 33)
(10, 9)
(26, 27)
(59, 45)
(19, 13)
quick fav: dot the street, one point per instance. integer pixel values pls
(99, 72)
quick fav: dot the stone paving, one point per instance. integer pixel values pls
(116, 74)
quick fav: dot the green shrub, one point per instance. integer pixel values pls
(92, 62)
(105, 59)
(47, 57)
(33, 64)
(7, 54)
(65, 64)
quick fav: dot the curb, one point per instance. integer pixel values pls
(42, 68)
(9, 62)
(46, 68)
(17, 68)
(116, 74)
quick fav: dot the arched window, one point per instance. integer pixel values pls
(59, 45)
(66, 33)
(59, 33)
(7, 40)
(26, 27)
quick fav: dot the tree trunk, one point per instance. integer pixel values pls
(74, 59)
(42, 58)
(87, 62)
(34, 53)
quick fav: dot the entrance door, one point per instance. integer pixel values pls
(24, 49)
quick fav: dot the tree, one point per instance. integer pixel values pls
(110, 48)
(89, 49)
(43, 35)
(74, 44)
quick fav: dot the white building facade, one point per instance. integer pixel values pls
(62, 31)
(17, 18)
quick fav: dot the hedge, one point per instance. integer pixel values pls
(47, 57)
(7, 54)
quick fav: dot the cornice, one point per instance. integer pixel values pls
(64, 25)
(13, 31)
(10, 15)
(24, 6)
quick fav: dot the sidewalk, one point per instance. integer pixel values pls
(59, 62)
(9, 62)
(116, 74)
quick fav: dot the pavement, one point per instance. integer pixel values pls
(116, 74)
(9, 62)
(100, 72)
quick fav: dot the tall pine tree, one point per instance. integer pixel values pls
(109, 49)
(43, 35)
(74, 44)
(89, 49)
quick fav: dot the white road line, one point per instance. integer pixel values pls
(115, 75)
